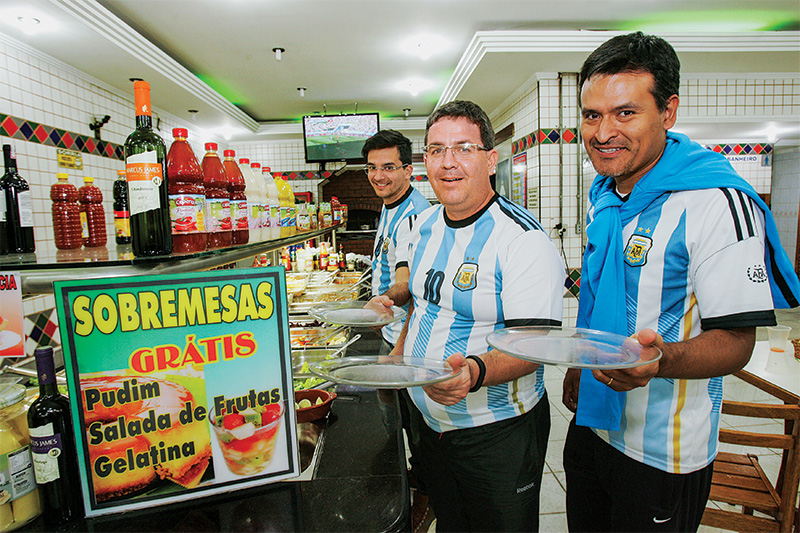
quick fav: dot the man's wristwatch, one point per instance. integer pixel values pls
(481, 372)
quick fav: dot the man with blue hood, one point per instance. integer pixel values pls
(683, 255)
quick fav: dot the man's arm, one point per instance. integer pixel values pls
(399, 293)
(500, 368)
(715, 352)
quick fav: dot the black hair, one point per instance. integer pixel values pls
(469, 110)
(389, 139)
(637, 52)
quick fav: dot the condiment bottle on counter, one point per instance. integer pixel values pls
(303, 220)
(187, 196)
(218, 200)
(17, 206)
(146, 172)
(93, 216)
(312, 215)
(55, 457)
(122, 210)
(342, 258)
(66, 214)
(274, 204)
(16, 465)
(336, 210)
(239, 218)
(325, 215)
(255, 200)
(323, 256)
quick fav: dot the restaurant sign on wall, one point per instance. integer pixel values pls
(180, 385)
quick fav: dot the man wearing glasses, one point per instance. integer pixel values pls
(388, 155)
(478, 263)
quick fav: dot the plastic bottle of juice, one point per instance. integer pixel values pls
(93, 216)
(283, 196)
(187, 196)
(218, 199)
(66, 214)
(241, 227)
(253, 193)
(255, 169)
(273, 200)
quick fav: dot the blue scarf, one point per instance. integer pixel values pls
(684, 165)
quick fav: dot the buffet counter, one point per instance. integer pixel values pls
(359, 483)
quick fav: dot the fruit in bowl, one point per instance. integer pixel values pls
(312, 404)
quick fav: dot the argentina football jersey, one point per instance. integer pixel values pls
(693, 261)
(391, 247)
(495, 269)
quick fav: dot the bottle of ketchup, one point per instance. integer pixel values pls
(66, 214)
(239, 218)
(187, 196)
(218, 200)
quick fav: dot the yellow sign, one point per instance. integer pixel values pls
(69, 159)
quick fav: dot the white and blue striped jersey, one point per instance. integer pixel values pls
(391, 247)
(694, 260)
(469, 278)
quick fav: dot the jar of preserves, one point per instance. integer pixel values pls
(18, 490)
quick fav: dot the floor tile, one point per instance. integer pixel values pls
(552, 496)
(553, 523)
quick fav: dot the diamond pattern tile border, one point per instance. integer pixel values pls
(41, 329)
(27, 130)
(573, 283)
(544, 136)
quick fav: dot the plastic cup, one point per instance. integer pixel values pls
(778, 337)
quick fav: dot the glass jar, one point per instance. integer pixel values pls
(18, 492)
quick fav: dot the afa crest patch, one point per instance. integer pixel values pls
(466, 278)
(386, 245)
(636, 250)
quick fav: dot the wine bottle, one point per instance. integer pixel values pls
(146, 172)
(19, 206)
(55, 458)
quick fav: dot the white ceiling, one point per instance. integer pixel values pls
(216, 56)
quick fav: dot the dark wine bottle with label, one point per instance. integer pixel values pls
(146, 173)
(18, 206)
(55, 459)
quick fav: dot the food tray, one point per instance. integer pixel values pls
(318, 337)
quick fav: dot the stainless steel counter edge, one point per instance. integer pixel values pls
(39, 280)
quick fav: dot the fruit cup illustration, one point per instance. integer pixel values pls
(247, 439)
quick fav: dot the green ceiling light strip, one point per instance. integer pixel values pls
(227, 92)
(715, 21)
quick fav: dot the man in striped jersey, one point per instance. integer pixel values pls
(478, 263)
(388, 155)
(683, 254)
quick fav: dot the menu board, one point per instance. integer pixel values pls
(180, 385)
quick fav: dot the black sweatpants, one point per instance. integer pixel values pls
(487, 478)
(609, 491)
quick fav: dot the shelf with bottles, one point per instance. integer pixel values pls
(48, 264)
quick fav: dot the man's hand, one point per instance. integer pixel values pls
(625, 379)
(453, 390)
(382, 306)
(571, 386)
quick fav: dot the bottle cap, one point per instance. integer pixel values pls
(120, 173)
(229, 153)
(180, 132)
(212, 146)
(62, 176)
(267, 169)
(141, 95)
(255, 165)
(244, 161)
(88, 179)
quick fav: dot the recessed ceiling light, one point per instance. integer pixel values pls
(29, 25)
(425, 45)
(414, 85)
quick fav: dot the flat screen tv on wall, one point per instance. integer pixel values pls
(337, 137)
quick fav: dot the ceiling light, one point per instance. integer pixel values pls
(278, 51)
(302, 91)
(193, 112)
(414, 85)
(406, 111)
(29, 25)
(425, 45)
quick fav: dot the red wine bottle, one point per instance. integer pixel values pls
(55, 459)
(146, 172)
(18, 205)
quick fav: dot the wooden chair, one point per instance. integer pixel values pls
(740, 481)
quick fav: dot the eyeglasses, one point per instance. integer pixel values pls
(370, 170)
(460, 151)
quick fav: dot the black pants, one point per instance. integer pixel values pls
(487, 478)
(609, 491)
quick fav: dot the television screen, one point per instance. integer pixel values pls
(337, 137)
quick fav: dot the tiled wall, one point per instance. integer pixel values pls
(35, 87)
(785, 197)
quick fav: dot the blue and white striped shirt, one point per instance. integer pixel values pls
(391, 247)
(468, 279)
(694, 260)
